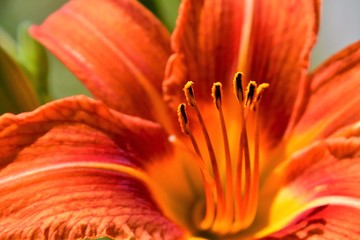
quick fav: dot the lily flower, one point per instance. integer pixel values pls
(182, 144)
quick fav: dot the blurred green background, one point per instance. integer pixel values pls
(340, 26)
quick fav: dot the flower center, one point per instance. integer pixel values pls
(231, 197)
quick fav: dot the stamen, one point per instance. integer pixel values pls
(253, 97)
(190, 97)
(239, 93)
(207, 179)
(255, 178)
(183, 119)
(184, 123)
(244, 145)
(259, 90)
(233, 208)
(189, 93)
(238, 89)
(250, 93)
(217, 95)
(242, 196)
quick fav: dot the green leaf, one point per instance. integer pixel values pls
(7, 43)
(33, 58)
(16, 93)
(165, 10)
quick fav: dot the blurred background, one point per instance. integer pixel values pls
(340, 26)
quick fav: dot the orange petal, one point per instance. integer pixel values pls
(322, 173)
(205, 44)
(73, 169)
(326, 222)
(331, 99)
(79, 203)
(326, 168)
(327, 172)
(348, 131)
(283, 32)
(134, 135)
(118, 49)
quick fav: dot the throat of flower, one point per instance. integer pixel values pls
(231, 196)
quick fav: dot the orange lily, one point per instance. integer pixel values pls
(286, 164)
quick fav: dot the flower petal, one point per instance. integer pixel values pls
(74, 169)
(79, 203)
(213, 39)
(128, 132)
(117, 48)
(282, 34)
(330, 100)
(327, 172)
(205, 44)
(326, 222)
(326, 168)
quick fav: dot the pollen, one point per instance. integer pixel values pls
(189, 93)
(183, 119)
(231, 196)
(250, 93)
(217, 94)
(238, 89)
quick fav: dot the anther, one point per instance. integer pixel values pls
(250, 93)
(189, 93)
(238, 89)
(259, 90)
(217, 94)
(183, 119)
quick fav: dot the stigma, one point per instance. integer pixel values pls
(231, 193)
